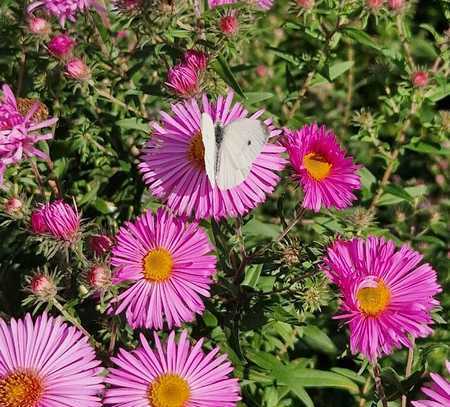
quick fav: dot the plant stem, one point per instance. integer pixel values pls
(405, 42)
(379, 384)
(38, 176)
(409, 365)
(70, 318)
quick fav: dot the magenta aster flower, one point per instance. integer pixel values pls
(327, 176)
(438, 392)
(19, 133)
(63, 10)
(182, 80)
(47, 363)
(171, 375)
(57, 219)
(173, 163)
(386, 294)
(169, 263)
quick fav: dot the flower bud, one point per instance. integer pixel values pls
(307, 4)
(419, 79)
(182, 80)
(229, 25)
(98, 277)
(100, 244)
(43, 286)
(261, 71)
(396, 4)
(61, 45)
(13, 205)
(374, 4)
(38, 26)
(38, 225)
(77, 69)
(196, 60)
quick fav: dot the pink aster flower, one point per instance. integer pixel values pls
(327, 176)
(438, 392)
(47, 363)
(196, 60)
(63, 10)
(19, 133)
(174, 169)
(182, 80)
(217, 3)
(386, 294)
(171, 374)
(169, 263)
(62, 221)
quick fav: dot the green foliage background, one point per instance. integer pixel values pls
(339, 65)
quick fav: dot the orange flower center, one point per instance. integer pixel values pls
(373, 300)
(24, 105)
(196, 152)
(169, 390)
(158, 265)
(317, 166)
(20, 389)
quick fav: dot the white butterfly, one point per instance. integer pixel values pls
(231, 150)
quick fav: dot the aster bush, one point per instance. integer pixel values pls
(129, 278)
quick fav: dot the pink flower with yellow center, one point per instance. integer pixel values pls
(171, 375)
(438, 391)
(327, 176)
(169, 264)
(46, 363)
(173, 164)
(386, 293)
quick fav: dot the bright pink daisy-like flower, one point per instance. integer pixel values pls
(63, 10)
(174, 169)
(327, 176)
(438, 392)
(386, 294)
(46, 363)
(19, 133)
(169, 263)
(171, 375)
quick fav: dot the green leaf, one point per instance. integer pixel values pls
(252, 274)
(367, 180)
(361, 37)
(301, 393)
(134, 124)
(318, 340)
(292, 375)
(225, 72)
(104, 207)
(256, 97)
(264, 360)
(350, 374)
(428, 148)
(336, 70)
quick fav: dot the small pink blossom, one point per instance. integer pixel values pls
(420, 79)
(374, 4)
(61, 220)
(61, 45)
(265, 4)
(307, 4)
(77, 69)
(98, 277)
(261, 71)
(43, 286)
(38, 26)
(182, 80)
(218, 3)
(229, 24)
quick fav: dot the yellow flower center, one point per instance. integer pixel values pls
(169, 390)
(24, 105)
(373, 300)
(158, 265)
(317, 166)
(20, 389)
(196, 152)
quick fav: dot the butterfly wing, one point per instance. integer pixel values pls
(209, 142)
(243, 140)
